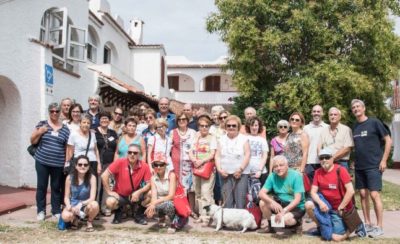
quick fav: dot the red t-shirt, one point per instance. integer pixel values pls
(327, 183)
(120, 169)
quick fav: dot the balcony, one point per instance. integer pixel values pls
(204, 97)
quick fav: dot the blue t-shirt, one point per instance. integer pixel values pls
(368, 143)
(285, 188)
(171, 121)
(52, 144)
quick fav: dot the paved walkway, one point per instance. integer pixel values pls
(17, 207)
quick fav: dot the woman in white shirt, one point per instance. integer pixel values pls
(231, 160)
(159, 144)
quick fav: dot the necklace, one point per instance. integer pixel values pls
(181, 134)
(333, 133)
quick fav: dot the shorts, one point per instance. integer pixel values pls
(297, 212)
(370, 179)
(337, 223)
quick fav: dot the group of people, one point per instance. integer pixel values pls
(99, 162)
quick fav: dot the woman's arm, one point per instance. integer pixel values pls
(304, 148)
(37, 134)
(96, 150)
(93, 190)
(70, 152)
(67, 192)
(143, 148)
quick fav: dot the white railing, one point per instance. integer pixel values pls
(206, 97)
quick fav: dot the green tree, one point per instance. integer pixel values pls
(290, 55)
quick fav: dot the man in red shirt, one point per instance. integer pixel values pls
(132, 182)
(327, 184)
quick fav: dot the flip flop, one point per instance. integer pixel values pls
(89, 229)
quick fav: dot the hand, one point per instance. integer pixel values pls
(68, 207)
(198, 163)
(276, 207)
(43, 129)
(114, 194)
(323, 207)
(135, 197)
(301, 169)
(257, 174)
(237, 174)
(150, 211)
(279, 217)
(223, 173)
(77, 209)
(99, 168)
(382, 166)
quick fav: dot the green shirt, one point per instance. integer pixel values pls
(285, 188)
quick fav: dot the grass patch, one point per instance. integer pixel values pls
(4, 228)
(390, 196)
(48, 225)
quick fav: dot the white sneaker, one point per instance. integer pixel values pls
(376, 232)
(56, 217)
(369, 227)
(41, 216)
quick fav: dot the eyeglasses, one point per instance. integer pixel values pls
(231, 125)
(204, 126)
(54, 111)
(325, 157)
(282, 127)
(149, 117)
(76, 112)
(157, 165)
(120, 114)
(182, 119)
(133, 152)
(223, 117)
(295, 120)
(83, 165)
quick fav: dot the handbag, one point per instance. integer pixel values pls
(68, 168)
(181, 203)
(306, 183)
(205, 170)
(255, 211)
(350, 218)
(33, 147)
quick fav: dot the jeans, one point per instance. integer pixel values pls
(56, 176)
(337, 224)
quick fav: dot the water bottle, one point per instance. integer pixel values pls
(82, 214)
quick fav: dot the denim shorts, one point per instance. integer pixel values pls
(337, 224)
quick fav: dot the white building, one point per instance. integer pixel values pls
(200, 83)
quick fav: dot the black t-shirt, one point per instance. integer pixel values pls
(368, 143)
(107, 144)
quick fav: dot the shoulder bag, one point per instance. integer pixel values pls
(350, 218)
(181, 202)
(33, 147)
(205, 170)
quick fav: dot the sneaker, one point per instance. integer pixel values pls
(56, 216)
(41, 216)
(140, 220)
(361, 230)
(369, 227)
(314, 232)
(376, 232)
(266, 230)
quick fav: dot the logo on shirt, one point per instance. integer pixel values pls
(332, 186)
(364, 133)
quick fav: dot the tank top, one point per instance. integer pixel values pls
(123, 147)
(79, 192)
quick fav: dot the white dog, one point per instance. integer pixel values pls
(231, 218)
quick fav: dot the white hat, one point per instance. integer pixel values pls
(325, 152)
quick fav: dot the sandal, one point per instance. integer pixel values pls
(194, 215)
(89, 227)
(75, 224)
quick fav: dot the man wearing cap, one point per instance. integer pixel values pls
(325, 187)
(372, 144)
(338, 138)
(287, 202)
(132, 182)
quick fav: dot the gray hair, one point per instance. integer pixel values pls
(250, 108)
(282, 122)
(279, 158)
(87, 117)
(357, 101)
(53, 105)
(335, 108)
(217, 109)
(95, 97)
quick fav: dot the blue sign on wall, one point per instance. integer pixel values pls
(48, 73)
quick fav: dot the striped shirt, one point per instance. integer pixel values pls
(52, 144)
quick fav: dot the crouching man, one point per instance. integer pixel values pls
(332, 196)
(287, 202)
(132, 183)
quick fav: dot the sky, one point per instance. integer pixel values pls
(180, 25)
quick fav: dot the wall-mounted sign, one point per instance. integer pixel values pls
(49, 78)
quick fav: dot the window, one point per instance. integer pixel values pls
(162, 71)
(173, 82)
(107, 55)
(68, 41)
(213, 83)
(91, 46)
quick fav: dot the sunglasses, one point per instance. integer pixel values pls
(159, 165)
(83, 165)
(325, 157)
(54, 111)
(204, 126)
(149, 117)
(231, 126)
(223, 117)
(160, 127)
(282, 127)
(295, 120)
(182, 119)
(133, 152)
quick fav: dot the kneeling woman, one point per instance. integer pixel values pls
(163, 186)
(80, 194)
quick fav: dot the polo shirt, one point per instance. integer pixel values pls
(120, 170)
(342, 139)
(314, 131)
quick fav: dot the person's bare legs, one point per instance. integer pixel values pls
(364, 196)
(378, 207)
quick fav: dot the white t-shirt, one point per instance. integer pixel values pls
(314, 132)
(140, 128)
(80, 144)
(162, 146)
(258, 145)
(232, 153)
